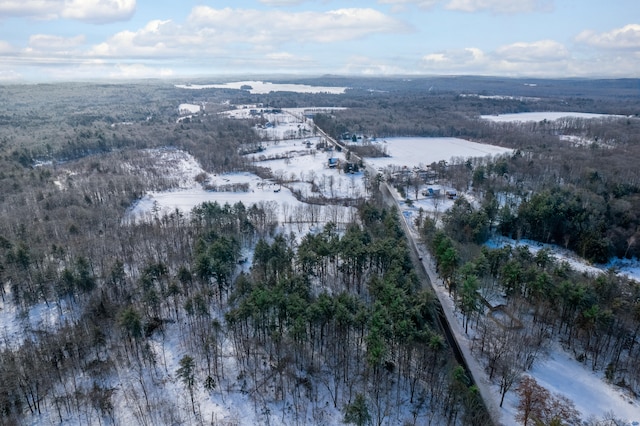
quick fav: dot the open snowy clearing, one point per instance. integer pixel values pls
(264, 87)
(576, 140)
(188, 109)
(187, 198)
(258, 191)
(541, 116)
(290, 155)
(560, 373)
(416, 151)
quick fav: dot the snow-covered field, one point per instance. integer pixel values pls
(417, 151)
(541, 116)
(190, 193)
(576, 140)
(185, 199)
(263, 87)
(188, 109)
(290, 115)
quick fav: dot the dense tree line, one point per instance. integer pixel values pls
(359, 326)
(582, 198)
(366, 334)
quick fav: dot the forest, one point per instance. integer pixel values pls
(150, 322)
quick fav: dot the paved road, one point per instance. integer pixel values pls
(449, 325)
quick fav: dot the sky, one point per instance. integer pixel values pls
(80, 40)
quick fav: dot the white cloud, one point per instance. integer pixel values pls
(95, 69)
(99, 11)
(42, 9)
(501, 6)
(401, 4)
(541, 58)
(94, 11)
(493, 6)
(436, 58)
(281, 2)
(276, 62)
(274, 27)
(468, 60)
(284, 62)
(609, 66)
(8, 75)
(46, 41)
(539, 51)
(281, 56)
(5, 47)
(209, 31)
(154, 39)
(627, 37)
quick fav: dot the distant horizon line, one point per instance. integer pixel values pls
(264, 77)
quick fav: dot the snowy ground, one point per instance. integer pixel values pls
(294, 215)
(541, 116)
(16, 326)
(560, 373)
(576, 140)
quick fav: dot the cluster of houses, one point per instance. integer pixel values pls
(256, 112)
(348, 166)
(424, 174)
(435, 192)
